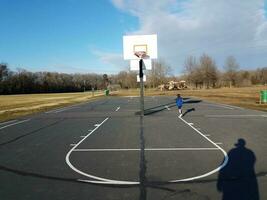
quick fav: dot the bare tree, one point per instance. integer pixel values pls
(191, 71)
(209, 71)
(3, 71)
(231, 67)
(159, 73)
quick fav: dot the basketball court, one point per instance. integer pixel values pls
(105, 149)
(121, 142)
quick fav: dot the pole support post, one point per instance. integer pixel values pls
(141, 75)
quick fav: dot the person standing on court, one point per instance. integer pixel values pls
(179, 103)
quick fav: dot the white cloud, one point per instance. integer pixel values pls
(114, 60)
(218, 28)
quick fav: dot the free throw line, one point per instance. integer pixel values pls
(147, 149)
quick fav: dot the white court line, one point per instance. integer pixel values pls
(65, 109)
(101, 180)
(117, 109)
(61, 109)
(147, 149)
(8, 122)
(230, 106)
(211, 172)
(219, 106)
(167, 107)
(15, 123)
(98, 179)
(108, 182)
(58, 111)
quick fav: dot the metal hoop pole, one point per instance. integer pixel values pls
(141, 75)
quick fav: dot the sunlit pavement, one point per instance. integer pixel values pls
(105, 150)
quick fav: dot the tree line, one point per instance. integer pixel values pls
(22, 81)
(204, 73)
(199, 72)
(25, 82)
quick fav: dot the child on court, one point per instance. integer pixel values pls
(179, 103)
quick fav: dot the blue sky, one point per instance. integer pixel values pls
(86, 35)
(61, 35)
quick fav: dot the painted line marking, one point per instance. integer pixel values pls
(167, 107)
(117, 109)
(61, 109)
(219, 106)
(72, 144)
(110, 182)
(97, 124)
(225, 161)
(101, 180)
(147, 149)
(20, 122)
(90, 130)
(8, 122)
(191, 124)
(82, 136)
(97, 179)
(130, 97)
(219, 143)
(207, 135)
(235, 115)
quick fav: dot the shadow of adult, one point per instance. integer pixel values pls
(237, 180)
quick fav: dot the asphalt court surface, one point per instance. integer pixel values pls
(63, 153)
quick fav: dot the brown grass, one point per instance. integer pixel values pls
(12, 106)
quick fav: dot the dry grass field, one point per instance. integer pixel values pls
(12, 106)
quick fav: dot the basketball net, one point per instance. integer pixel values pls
(141, 54)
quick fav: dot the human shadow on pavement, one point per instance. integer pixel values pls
(237, 180)
(188, 111)
(192, 101)
(162, 107)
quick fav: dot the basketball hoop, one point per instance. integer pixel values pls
(140, 49)
(141, 54)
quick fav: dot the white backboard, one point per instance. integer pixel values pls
(135, 43)
(134, 64)
(138, 78)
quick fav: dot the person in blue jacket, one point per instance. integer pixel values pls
(179, 103)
